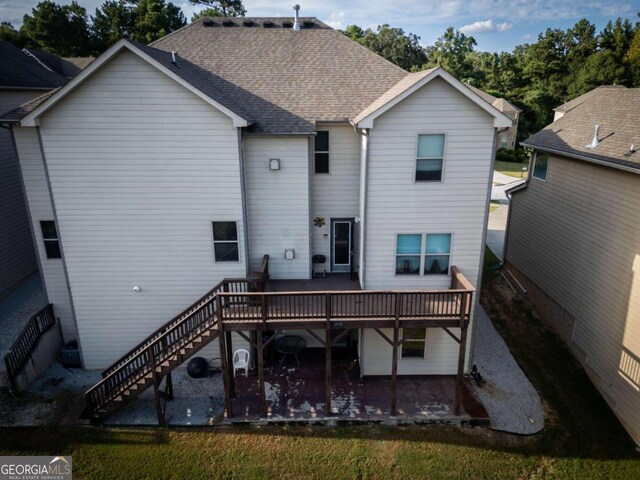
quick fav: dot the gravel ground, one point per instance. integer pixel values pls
(17, 308)
(45, 403)
(513, 404)
(196, 401)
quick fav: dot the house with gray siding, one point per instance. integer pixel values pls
(22, 78)
(343, 197)
(573, 239)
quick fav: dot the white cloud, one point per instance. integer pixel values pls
(484, 26)
(526, 36)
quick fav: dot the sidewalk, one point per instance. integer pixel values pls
(496, 230)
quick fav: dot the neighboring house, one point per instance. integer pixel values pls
(573, 240)
(506, 136)
(160, 170)
(22, 78)
(566, 107)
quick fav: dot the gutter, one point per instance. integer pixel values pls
(362, 211)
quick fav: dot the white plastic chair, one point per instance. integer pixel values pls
(241, 361)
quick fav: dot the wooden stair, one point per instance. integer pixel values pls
(153, 359)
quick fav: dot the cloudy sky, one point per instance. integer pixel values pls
(496, 24)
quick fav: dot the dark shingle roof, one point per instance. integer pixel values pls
(500, 103)
(285, 80)
(67, 67)
(615, 110)
(19, 70)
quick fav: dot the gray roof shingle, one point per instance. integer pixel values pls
(19, 70)
(616, 110)
(288, 80)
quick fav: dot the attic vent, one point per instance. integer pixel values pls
(267, 24)
(207, 23)
(596, 139)
(287, 24)
(227, 23)
(307, 24)
(248, 23)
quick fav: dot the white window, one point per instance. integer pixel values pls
(423, 254)
(540, 166)
(414, 343)
(225, 241)
(430, 158)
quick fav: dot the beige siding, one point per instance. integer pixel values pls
(278, 204)
(398, 204)
(139, 169)
(441, 354)
(336, 195)
(39, 204)
(577, 237)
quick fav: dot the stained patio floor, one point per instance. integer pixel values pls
(297, 393)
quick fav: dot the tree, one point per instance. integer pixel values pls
(354, 32)
(10, 34)
(452, 51)
(580, 43)
(141, 20)
(601, 68)
(63, 30)
(221, 8)
(617, 37)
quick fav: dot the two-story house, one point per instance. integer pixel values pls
(161, 170)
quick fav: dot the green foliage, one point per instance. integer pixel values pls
(391, 43)
(601, 68)
(220, 8)
(60, 29)
(153, 19)
(453, 51)
(10, 34)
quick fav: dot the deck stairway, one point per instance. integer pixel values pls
(160, 353)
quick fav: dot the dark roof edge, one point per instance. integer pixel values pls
(586, 158)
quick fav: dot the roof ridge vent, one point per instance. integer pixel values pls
(596, 141)
(296, 19)
(207, 22)
(228, 23)
(267, 24)
(248, 22)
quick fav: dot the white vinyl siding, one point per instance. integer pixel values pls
(336, 195)
(278, 204)
(39, 203)
(577, 237)
(139, 169)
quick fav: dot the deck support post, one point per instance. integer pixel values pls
(156, 383)
(327, 347)
(169, 387)
(262, 400)
(394, 357)
(229, 348)
(223, 360)
(461, 353)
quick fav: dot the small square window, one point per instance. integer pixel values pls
(321, 149)
(225, 241)
(430, 158)
(414, 342)
(50, 238)
(540, 166)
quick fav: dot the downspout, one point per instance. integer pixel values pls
(364, 160)
(243, 191)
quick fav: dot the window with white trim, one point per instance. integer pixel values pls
(430, 158)
(50, 239)
(540, 166)
(225, 241)
(414, 343)
(423, 254)
(321, 156)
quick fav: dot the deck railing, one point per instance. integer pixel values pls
(167, 341)
(28, 339)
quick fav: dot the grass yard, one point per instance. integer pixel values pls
(493, 205)
(513, 169)
(582, 438)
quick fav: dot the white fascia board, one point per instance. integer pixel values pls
(499, 118)
(31, 120)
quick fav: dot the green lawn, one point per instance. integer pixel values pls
(582, 438)
(512, 169)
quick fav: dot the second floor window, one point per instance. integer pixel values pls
(225, 241)
(540, 166)
(50, 238)
(418, 254)
(430, 158)
(321, 158)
